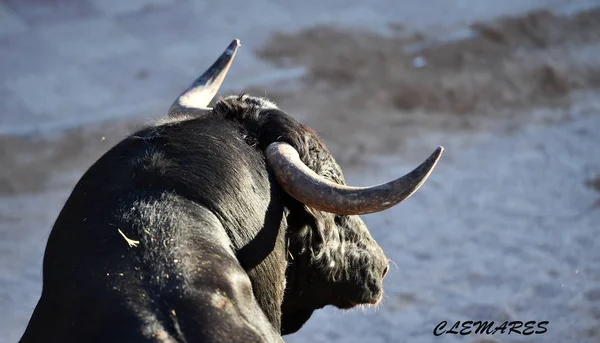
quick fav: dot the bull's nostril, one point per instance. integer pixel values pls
(387, 267)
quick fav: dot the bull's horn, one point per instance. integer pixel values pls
(203, 90)
(308, 187)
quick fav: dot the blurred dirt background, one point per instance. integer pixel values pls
(506, 228)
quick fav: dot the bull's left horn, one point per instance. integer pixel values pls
(200, 93)
(308, 187)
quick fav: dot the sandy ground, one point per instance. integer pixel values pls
(505, 229)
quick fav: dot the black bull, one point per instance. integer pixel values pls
(224, 224)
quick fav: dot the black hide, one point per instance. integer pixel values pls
(223, 254)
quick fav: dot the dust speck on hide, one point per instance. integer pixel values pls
(219, 300)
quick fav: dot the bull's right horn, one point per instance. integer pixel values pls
(306, 186)
(200, 93)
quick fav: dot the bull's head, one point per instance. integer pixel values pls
(333, 260)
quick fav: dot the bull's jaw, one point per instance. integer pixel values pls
(301, 300)
(296, 309)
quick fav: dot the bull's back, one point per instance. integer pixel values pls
(124, 248)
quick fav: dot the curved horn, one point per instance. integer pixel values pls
(203, 90)
(308, 187)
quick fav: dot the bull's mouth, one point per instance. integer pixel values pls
(352, 304)
(377, 301)
(373, 301)
(369, 297)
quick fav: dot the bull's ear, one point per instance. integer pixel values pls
(323, 223)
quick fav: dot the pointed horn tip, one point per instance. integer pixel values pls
(434, 158)
(233, 46)
(438, 152)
